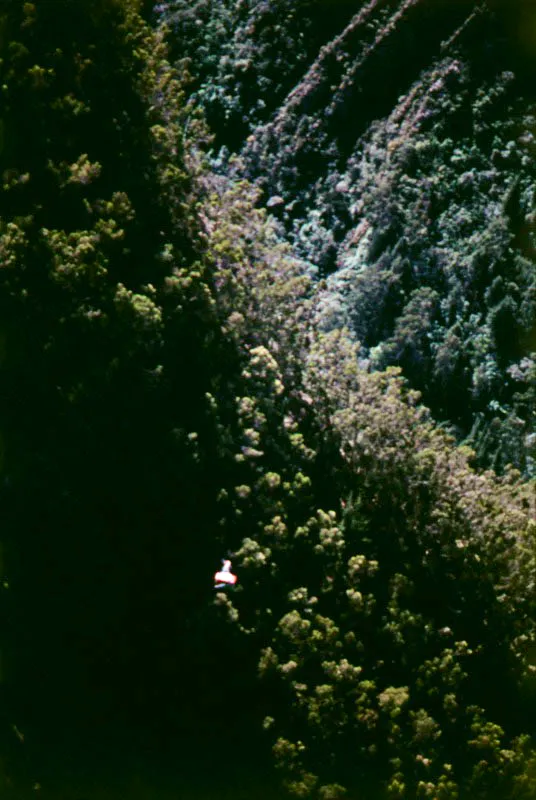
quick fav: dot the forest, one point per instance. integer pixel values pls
(268, 294)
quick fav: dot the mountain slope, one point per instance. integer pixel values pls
(169, 396)
(394, 141)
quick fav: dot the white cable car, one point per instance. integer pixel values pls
(224, 577)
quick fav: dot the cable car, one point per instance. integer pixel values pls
(224, 577)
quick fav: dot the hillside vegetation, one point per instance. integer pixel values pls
(179, 382)
(394, 140)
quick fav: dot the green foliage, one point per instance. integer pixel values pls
(246, 56)
(382, 642)
(403, 173)
(175, 384)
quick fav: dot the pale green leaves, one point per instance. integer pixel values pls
(144, 312)
(13, 241)
(76, 256)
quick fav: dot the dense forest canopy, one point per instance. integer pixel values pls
(394, 141)
(263, 267)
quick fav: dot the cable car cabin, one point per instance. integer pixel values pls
(224, 578)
